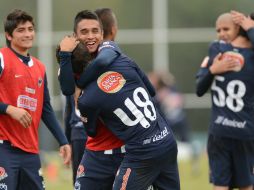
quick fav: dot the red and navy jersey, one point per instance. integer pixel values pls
(232, 94)
(21, 86)
(121, 97)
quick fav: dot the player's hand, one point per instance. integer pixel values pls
(65, 153)
(83, 119)
(220, 66)
(239, 18)
(68, 43)
(76, 96)
(19, 114)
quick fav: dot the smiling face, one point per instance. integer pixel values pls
(21, 39)
(90, 33)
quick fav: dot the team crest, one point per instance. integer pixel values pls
(3, 173)
(111, 82)
(39, 81)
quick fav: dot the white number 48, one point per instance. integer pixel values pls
(139, 116)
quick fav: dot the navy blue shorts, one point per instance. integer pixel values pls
(162, 172)
(97, 169)
(19, 169)
(231, 161)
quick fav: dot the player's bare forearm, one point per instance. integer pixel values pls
(19, 114)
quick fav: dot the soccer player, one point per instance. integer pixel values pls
(229, 75)
(124, 102)
(104, 152)
(24, 101)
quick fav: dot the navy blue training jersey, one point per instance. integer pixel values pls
(232, 94)
(120, 96)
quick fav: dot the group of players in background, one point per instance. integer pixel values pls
(120, 138)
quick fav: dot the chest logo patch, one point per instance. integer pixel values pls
(111, 82)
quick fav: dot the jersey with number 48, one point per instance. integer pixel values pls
(122, 99)
(233, 94)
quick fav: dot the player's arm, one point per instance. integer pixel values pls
(67, 117)
(246, 22)
(63, 54)
(204, 77)
(66, 77)
(49, 119)
(106, 55)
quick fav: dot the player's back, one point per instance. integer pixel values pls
(121, 98)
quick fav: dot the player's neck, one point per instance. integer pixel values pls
(242, 42)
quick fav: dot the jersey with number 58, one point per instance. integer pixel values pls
(232, 95)
(121, 97)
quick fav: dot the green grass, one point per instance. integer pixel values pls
(193, 174)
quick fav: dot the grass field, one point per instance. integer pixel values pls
(193, 174)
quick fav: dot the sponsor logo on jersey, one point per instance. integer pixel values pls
(161, 135)
(3, 174)
(30, 90)
(111, 82)
(81, 171)
(27, 102)
(221, 120)
(231, 55)
(157, 137)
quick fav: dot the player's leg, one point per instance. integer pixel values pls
(139, 175)
(243, 164)
(9, 166)
(78, 148)
(220, 162)
(97, 170)
(168, 178)
(31, 173)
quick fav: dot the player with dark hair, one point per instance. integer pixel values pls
(231, 132)
(123, 101)
(104, 152)
(109, 23)
(24, 101)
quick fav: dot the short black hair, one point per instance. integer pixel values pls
(85, 14)
(13, 19)
(80, 58)
(108, 20)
